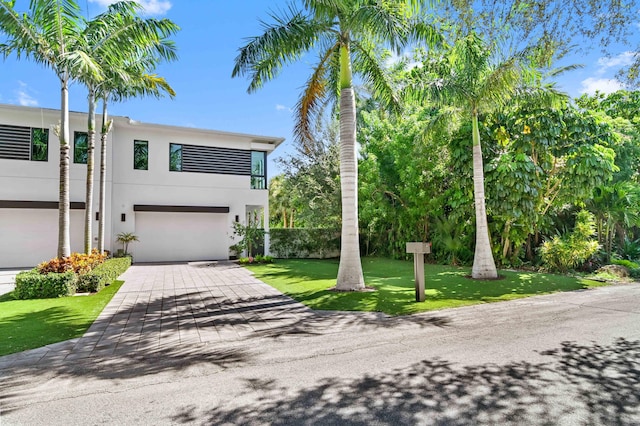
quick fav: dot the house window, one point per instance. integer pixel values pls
(80, 142)
(39, 144)
(140, 155)
(258, 170)
(175, 157)
(23, 143)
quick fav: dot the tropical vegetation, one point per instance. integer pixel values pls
(345, 35)
(112, 55)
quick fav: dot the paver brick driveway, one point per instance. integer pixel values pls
(182, 306)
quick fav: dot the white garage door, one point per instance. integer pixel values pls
(168, 236)
(30, 236)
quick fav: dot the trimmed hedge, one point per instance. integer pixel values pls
(34, 285)
(103, 274)
(304, 242)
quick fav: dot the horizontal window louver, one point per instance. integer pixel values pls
(209, 159)
(15, 142)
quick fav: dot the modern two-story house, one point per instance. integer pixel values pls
(178, 189)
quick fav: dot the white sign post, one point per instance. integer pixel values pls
(419, 250)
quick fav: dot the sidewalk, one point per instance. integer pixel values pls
(8, 280)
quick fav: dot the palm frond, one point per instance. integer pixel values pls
(310, 104)
(367, 64)
(283, 42)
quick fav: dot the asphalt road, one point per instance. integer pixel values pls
(563, 359)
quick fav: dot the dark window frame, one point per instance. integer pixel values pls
(45, 155)
(259, 180)
(146, 154)
(171, 163)
(75, 153)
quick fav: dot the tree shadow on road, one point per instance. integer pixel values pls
(579, 384)
(165, 335)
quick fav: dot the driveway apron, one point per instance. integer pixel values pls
(189, 307)
(186, 304)
(171, 305)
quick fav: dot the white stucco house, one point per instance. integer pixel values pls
(178, 189)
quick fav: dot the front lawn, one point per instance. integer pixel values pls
(29, 324)
(307, 281)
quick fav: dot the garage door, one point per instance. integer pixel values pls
(30, 236)
(171, 236)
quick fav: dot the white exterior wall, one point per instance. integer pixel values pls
(126, 187)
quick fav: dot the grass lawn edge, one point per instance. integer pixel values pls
(308, 281)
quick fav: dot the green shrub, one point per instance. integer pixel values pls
(635, 273)
(304, 242)
(90, 283)
(626, 263)
(258, 259)
(34, 285)
(102, 275)
(571, 250)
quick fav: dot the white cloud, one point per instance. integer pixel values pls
(406, 57)
(282, 108)
(151, 7)
(23, 97)
(602, 85)
(623, 59)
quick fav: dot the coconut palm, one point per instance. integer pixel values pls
(47, 34)
(113, 38)
(346, 35)
(471, 80)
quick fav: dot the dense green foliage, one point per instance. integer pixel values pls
(304, 242)
(29, 324)
(37, 285)
(103, 274)
(542, 165)
(573, 249)
(34, 285)
(309, 280)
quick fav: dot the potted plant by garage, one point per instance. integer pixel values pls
(125, 238)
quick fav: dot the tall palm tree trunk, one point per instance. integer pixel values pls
(350, 276)
(64, 239)
(91, 144)
(103, 176)
(484, 266)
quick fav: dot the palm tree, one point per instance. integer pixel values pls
(126, 238)
(616, 208)
(470, 81)
(346, 35)
(132, 81)
(113, 38)
(47, 34)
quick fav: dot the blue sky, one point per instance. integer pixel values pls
(207, 96)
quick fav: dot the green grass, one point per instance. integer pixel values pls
(29, 324)
(307, 281)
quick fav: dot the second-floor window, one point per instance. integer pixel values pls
(24, 143)
(39, 144)
(140, 155)
(175, 157)
(80, 142)
(258, 170)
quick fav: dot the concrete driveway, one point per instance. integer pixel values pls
(8, 280)
(567, 358)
